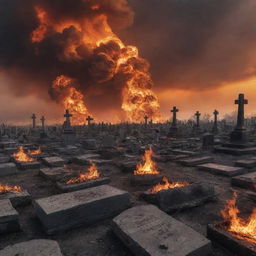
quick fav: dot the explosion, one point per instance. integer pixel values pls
(244, 229)
(4, 189)
(165, 185)
(21, 156)
(148, 167)
(91, 39)
(91, 174)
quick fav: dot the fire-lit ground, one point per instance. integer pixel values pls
(101, 239)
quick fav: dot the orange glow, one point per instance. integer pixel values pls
(91, 174)
(165, 185)
(36, 152)
(73, 99)
(21, 156)
(244, 229)
(4, 189)
(148, 167)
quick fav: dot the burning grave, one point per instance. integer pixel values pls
(36, 152)
(24, 160)
(236, 233)
(172, 196)
(146, 173)
(15, 194)
(89, 179)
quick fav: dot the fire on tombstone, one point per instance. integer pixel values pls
(165, 184)
(148, 167)
(243, 229)
(4, 189)
(22, 156)
(36, 152)
(91, 174)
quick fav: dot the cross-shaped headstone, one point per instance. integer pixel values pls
(34, 121)
(197, 114)
(146, 119)
(241, 101)
(174, 116)
(42, 120)
(68, 115)
(89, 119)
(215, 124)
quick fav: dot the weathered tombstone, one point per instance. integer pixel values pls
(33, 121)
(173, 129)
(69, 135)
(89, 119)
(215, 123)
(198, 114)
(208, 141)
(146, 119)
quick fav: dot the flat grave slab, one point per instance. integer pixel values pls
(85, 159)
(63, 187)
(85, 206)
(9, 218)
(10, 150)
(8, 169)
(145, 180)
(184, 152)
(223, 170)
(247, 163)
(247, 181)
(40, 247)
(17, 199)
(28, 165)
(235, 151)
(252, 196)
(181, 198)
(102, 162)
(4, 159)
(53, 161)
(240, 247)
(55, 174)
(128, 166)
(196, 160)
(146, 230)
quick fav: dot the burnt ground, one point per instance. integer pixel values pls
(98, 240)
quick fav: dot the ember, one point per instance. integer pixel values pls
(21, 156)
(165, 185)
(91, 174)
(9, 189)
(149, 167)
(244, 229)
(36, 152)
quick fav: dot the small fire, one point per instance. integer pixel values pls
(91, 174)
(149, 166)
(244, 229)
(36, 152)
(71, 98)
(165, 185)
(21, 156)
(4, 189)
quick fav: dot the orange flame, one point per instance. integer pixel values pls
(21, 156)
(91, 174)
(149, 167)
(36, 152)
(4, 189)
(165, 185)
(73, 99)
(138, 99)
(244, 229)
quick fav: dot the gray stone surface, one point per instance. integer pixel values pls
(69, 210)
(78, 186)
(196, 161)
(9, 221)
(4, 159)
(184, 152)
(8, 169)
(148, 231)
(17, 199)
(85, 159)
(145, 180)
(235, 151)
(247, 163)
(54, 161)
(55, 174)
(28, 165)
(181, 198)
(220, 169)
(247, 181)
(40, 247)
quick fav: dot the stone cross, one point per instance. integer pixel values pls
(174, 116)
(42, 120)
(197, 114)
(89, 119)
(34, 121)
(215, 124)
(68, 115)
(241, 101)
(146, 119)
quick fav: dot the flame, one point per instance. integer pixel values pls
(4, 189)
(91, 174)
(73, 99)
(138, 99)
(21, 156)
(149, 167)
(244, 229)
(36, 152)
(165, 185)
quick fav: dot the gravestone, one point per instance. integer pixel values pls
(8, 169)
(247, 181)
(69, 135)
(173, 129)
(196, 160)
(53, 161)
